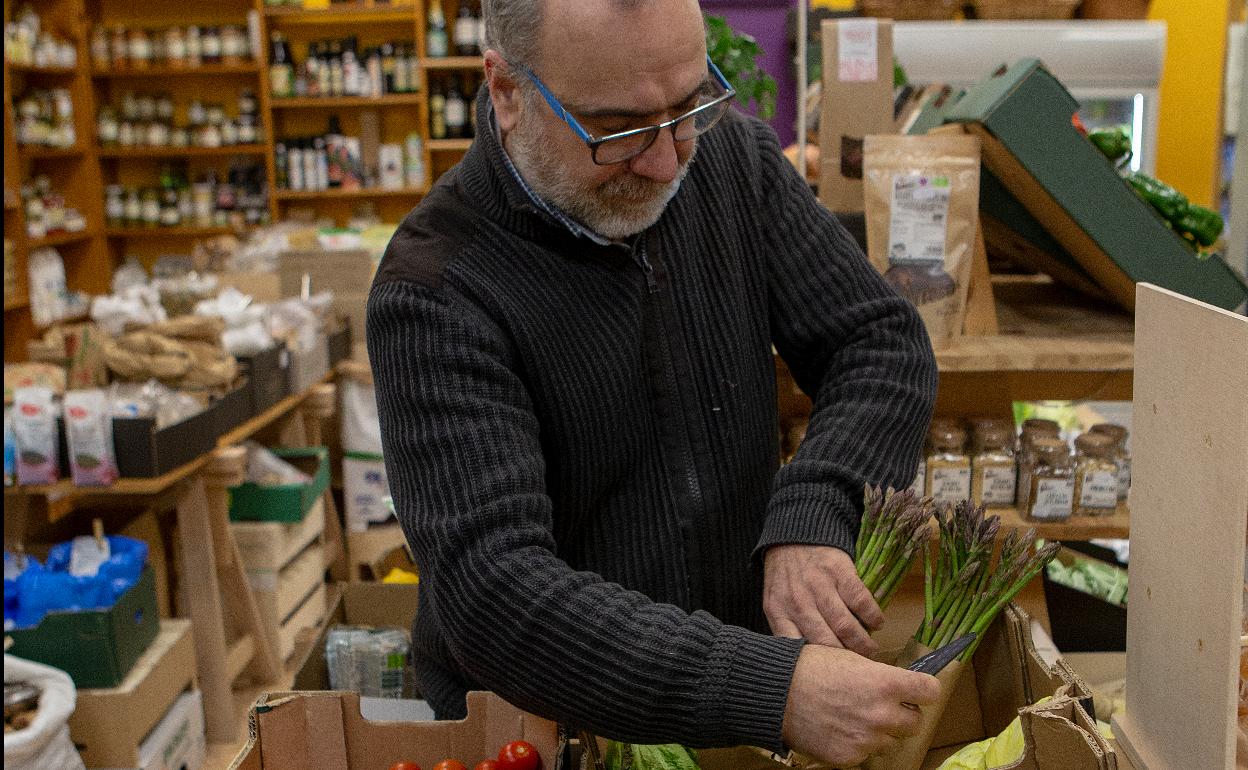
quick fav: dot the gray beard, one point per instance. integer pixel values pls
(616, 209)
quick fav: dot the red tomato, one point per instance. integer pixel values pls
(450, 764)
(405, 766)
(518, 755)
(486, 764)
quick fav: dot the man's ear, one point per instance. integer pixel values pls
(504, 91)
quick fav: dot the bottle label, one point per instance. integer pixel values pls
(466, 33)
(456, 113)
(1099, 490)
(998, 485)
(919, 219)
(1054, 499)
(951, 485)
(436, 42)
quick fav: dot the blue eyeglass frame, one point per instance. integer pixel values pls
(593, 142)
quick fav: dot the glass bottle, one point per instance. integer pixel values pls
(194, 46)
(437, 114)
(175, 47)
(435, 37)
(150, 200)
(1052, 481)
(456, 112)
(993, 469)
(119, 48)
(107, 128)
(134, 208)
(1032, 429)
(99, 46)
(1121, 456)
(948, 467)
(169, 214)
(210, 45)
(1096, 475)
(281, 69)
(140, 50)
(465, 31)
(233, 44)
(114, 205)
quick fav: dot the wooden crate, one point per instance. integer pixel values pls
(270, 545)
(282, 594)
(310, 615)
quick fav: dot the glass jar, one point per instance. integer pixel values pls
(247, 129)
(215, 114)
(115, 205)
(1032, 429)
(229, 133)
(134, 208)
(164, 108)
(101, 56)
(179, 137)
(169, 216)
(119, 47)
(994, 472)
(209, 135)
(126, 134)
(186, 208)
(1052, 494)
(147, 107)
(140, 50)
(247, 104)
(1122, 457)
(194, 47)
(1096, 475)
(233, 45)
(210, 45)
(202, 199)
(129, 106)
(948, 466)
(175, 47)
(157, 134)
(196, 115)
(106, 126)
(150, 200)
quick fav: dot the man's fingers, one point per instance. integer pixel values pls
(782, 626)
(862, 603)
(845, 626)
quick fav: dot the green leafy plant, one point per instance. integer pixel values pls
(736, 55)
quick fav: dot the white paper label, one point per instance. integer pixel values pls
(456, 112)
(919, 219)
(1099, 490)
(998, 485)
(951, 485)
(86, 554)
(857, 48)
(1124, 477)
(1054, 499)
(920, 479)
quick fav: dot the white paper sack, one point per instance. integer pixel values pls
(137, 306)
(361, 428)
(267, 469)
(45, 743)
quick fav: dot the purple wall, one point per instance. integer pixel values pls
(765, 20)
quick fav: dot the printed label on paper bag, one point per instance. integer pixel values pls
(951, 485)
(1099, 490)
(1124, 477)
(858, 50)
(919, 219)
(998, 485)
(1054, 499)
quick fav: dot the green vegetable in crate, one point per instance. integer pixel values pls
(1204, 225)
(1169, 202)
(892, 532)
(635, 756)
(1114, 143)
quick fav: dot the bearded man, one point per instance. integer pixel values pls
(572, 341)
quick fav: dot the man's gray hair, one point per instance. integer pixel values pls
(514, 27)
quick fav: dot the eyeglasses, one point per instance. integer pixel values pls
(626, 145)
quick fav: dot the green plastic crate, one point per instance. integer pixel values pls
(97, 648)
(285, 502)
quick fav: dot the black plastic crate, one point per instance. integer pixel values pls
(1081, 622)
(143, 451)
(268, 373)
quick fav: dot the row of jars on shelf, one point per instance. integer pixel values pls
(47, 212)
(148, 120)
(190, 46)
(27, 43)
(45, 118)
(239, 200)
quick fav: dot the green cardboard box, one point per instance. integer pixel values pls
(283, 502)
(1024, 119)
(97, 648)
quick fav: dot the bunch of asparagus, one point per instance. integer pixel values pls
(892, 534)
(963, 589)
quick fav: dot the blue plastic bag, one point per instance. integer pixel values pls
(51, 587)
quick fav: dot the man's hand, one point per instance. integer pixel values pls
(813, 592)
(844, 708)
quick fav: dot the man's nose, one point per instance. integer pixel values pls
(659, 162)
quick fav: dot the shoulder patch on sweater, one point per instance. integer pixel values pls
(428, 239)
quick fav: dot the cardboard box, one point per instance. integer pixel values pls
(108, 725)
(364, 490)
(97, 648)
(366, 549)
(268, 373)
(342, 271)
(145, 451)
(857, 102)
(177, 742)
(1024, 119)
(1082, 622)
(382, 605)
(325, 731)
(250, 501)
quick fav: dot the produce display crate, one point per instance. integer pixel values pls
(283, 502)
(146, 451)
(267, 371)
(1081, 622)
(1025, 9)
(1023, 118)
(281, 595)
(309, 615)
(912, 10)
(97, 648)
(109, 725)
(381, 605)
(366, 549)
(270, 545)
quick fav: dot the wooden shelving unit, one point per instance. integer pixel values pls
(452, 63)
(339, 102)
(34, 70)
(36, 152)
(356, 13)
(202, 70)
(61, 239)
(449, 145)
(372, 192)
(182, 152)
(166, 232)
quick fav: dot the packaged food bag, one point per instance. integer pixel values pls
(89, 431)
(34, 429)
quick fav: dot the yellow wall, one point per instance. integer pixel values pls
(1191, 93)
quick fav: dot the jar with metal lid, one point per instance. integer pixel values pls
(194, 46)
(229, 133)
(1032, 429)
(208, 135)
(119, 47)
(127, 135)
(215, 114)
(169, 216)
(1096, 475)
(140, 50)
(134, 208)
(115, 205)
(157, 134)
(994, 471)
(164, 108)
(948, 466)
(196, 115)
(1121, 456)
(151, 207)
(233, 44)
(210, 45)
(101, 56)
(247, 104)
(175, 47)
(107, 128)
(147, 107)
(1052, 494)
(179, 137)
(247, 129)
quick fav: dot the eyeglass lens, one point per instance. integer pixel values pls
(627, 147)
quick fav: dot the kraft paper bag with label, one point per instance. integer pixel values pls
(922, 210)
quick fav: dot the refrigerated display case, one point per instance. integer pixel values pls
(1112, 67)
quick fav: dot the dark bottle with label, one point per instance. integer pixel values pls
(456, 112)
(435, 35)
(437, 113)
(466, 43)
(281, 68)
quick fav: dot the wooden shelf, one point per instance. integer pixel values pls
(372, 192)
(166, 232)
(452, 63)
(1117, 526)
(60, 239)
(165, 71)
(343, 14)
(449, 145)
(333, 102)
(31, 69)
(17, 303)
(35, 152)
(180, 152)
